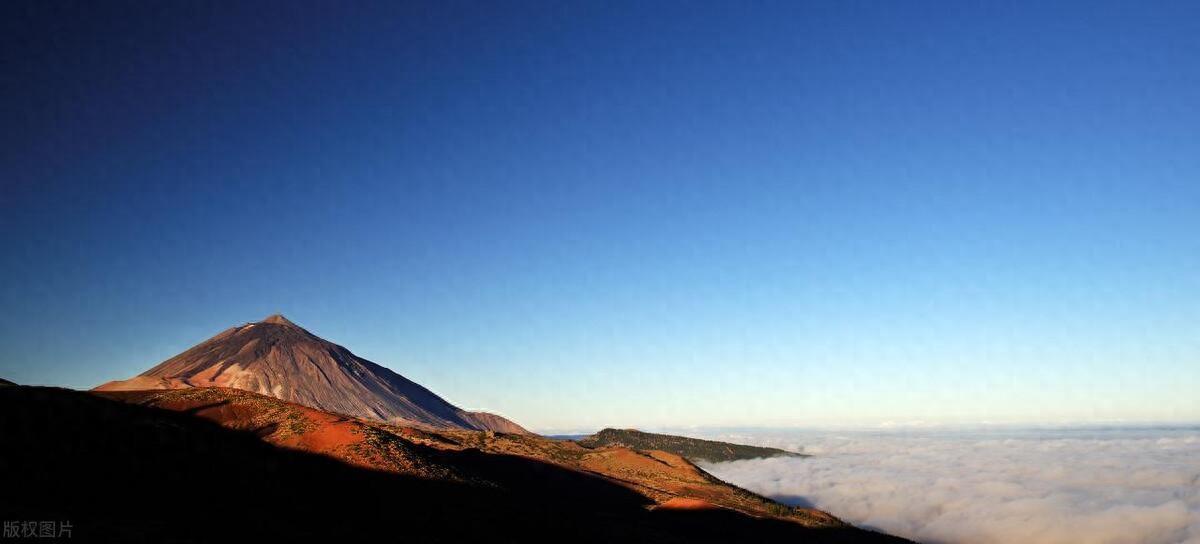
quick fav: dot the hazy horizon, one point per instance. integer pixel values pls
(811, 421)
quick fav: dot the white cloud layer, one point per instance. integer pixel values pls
(981, 487)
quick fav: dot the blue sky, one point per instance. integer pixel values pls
(650, 214)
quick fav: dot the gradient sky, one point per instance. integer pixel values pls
(637, 214)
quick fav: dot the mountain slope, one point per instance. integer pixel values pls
(211, 464)
(694, 449)
(275, 357)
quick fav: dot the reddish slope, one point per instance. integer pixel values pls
(664, 480)
(276, 357)
(150, 470)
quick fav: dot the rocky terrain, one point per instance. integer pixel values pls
(694, 449)
(272, 431)
(657, 475)
(278, 358)
(214, 464)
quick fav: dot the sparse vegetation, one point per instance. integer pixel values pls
(693, 449)
(781, 510)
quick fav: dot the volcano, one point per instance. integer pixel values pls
(278, 358)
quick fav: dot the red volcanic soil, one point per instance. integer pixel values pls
(220, 464)
(682, 503)
(293, 426)
(660, 477)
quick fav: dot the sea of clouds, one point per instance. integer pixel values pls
(1033, 486)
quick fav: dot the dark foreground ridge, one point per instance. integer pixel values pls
(693, 449)
(127, 472)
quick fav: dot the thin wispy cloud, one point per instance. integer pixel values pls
(1044, 487)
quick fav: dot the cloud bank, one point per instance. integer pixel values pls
(1035, 487)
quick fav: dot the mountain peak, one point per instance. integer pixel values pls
(288, 362)
(277, 319)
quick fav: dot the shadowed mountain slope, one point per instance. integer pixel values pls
(694, 449)
(215, 465)
(278, 358)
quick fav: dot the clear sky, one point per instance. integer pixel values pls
(637, 214)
